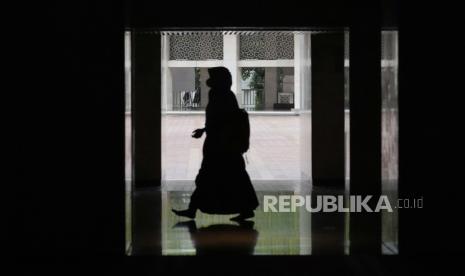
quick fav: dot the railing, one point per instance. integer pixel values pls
(186, 100)
(252, 99)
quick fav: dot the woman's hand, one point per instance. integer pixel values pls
(198, 133)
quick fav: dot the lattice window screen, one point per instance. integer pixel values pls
(196, 47)
(267, 46)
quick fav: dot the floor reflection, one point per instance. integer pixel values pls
(222, 239)
(157, 231)
(276, 233)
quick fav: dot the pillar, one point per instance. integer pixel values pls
(328, 109)
(146, 105)
(365, 128)
(167, 95)
(230, 58)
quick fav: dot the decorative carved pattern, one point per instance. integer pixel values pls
(196, 47)
(285, 98)
(267, 46)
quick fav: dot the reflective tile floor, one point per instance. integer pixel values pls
(156, 230)
(268, 233)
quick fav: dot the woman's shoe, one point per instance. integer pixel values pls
(243, 216)
(185, 213)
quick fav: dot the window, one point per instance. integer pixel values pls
(267, 88)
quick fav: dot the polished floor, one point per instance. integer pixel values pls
(155, 230)
(274, 165)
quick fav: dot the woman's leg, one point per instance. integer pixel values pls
(192, 209)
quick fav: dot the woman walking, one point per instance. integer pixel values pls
(223, 185)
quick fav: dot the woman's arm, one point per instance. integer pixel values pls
(198, 133)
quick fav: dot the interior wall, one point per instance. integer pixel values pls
(271, 87)
(183, 79)
(203, 87)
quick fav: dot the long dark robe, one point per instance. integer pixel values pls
(223, 185)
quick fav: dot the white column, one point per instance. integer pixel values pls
(230, 59)
(298, 43)
(302, 78)
(166, 81)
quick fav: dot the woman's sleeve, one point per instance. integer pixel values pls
(212, 118)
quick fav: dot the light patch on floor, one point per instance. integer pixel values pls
(273, 153)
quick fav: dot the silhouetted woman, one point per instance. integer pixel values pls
(222, 184)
